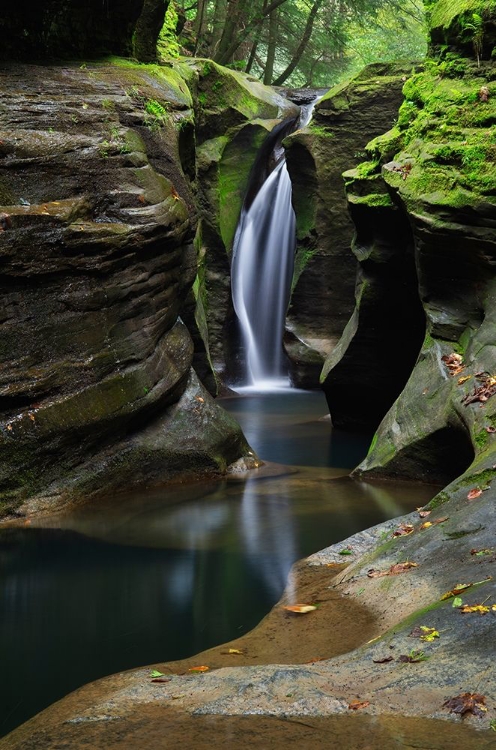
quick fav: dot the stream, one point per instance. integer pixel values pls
(163, 574)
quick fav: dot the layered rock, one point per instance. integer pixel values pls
(343, 122)
(96, 250)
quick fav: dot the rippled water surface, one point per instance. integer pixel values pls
(161, 575)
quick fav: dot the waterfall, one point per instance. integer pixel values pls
(261, 277)
(261, 273)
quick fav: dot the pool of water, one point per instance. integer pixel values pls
(161, 575)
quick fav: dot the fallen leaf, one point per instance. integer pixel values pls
(490, 429)
(201, 668)
(482, 392)
(466, 703)
(299, 609)
(428, 524)
(464, 379)
(453, 363)
(425, 633)
(233, 652)
(474, 493)
(161, 679)
(401, 567)
(31, 417)
(383, 661)
(394, 570)
(462, 587)
(469, 609)
(457, 601)
(403, 529)
(317, 658)
(155, 673)
(484, 94)
(355, 705)
(480, 552)
(413, 657)
(423, 513)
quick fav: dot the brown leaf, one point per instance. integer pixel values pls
(355, 705)
(474, 493)
(403, 529)
(383, 661)
(466, 703)
(484, 94)
(414, 657)
(453, 363)
(161, 679)
(394, 570)
(490, 429)
(482, 392)
(423, 513)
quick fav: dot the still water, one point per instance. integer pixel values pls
(164, 574)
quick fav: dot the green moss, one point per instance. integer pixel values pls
(438, 500)
(320, 130)
(302, 257)
(374, 200)
(481, 439)
(477, 479)
(445, 12)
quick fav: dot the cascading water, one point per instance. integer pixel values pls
(261, 273)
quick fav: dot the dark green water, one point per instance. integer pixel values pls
(166, 574)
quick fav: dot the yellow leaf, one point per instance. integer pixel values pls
(426, 525)
(300, 609)
(480, 608)
(464, 379)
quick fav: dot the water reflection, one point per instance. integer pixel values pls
(161, 575)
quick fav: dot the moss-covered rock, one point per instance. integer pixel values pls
(344, 120)
(234, 115)
(466, 26)
(437, 167)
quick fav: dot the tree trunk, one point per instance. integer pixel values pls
(147, 29)
(225, 54)
(271, 48)
(218, 23)
(302, 45)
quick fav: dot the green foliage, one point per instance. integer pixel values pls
(155, 109)
(168, 45)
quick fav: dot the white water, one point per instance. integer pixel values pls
(261, 273)
(262, 268)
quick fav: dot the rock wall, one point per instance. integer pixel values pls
(97, 259)
(322, 299)
(434, 172)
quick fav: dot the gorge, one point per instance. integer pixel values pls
(121, 186)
